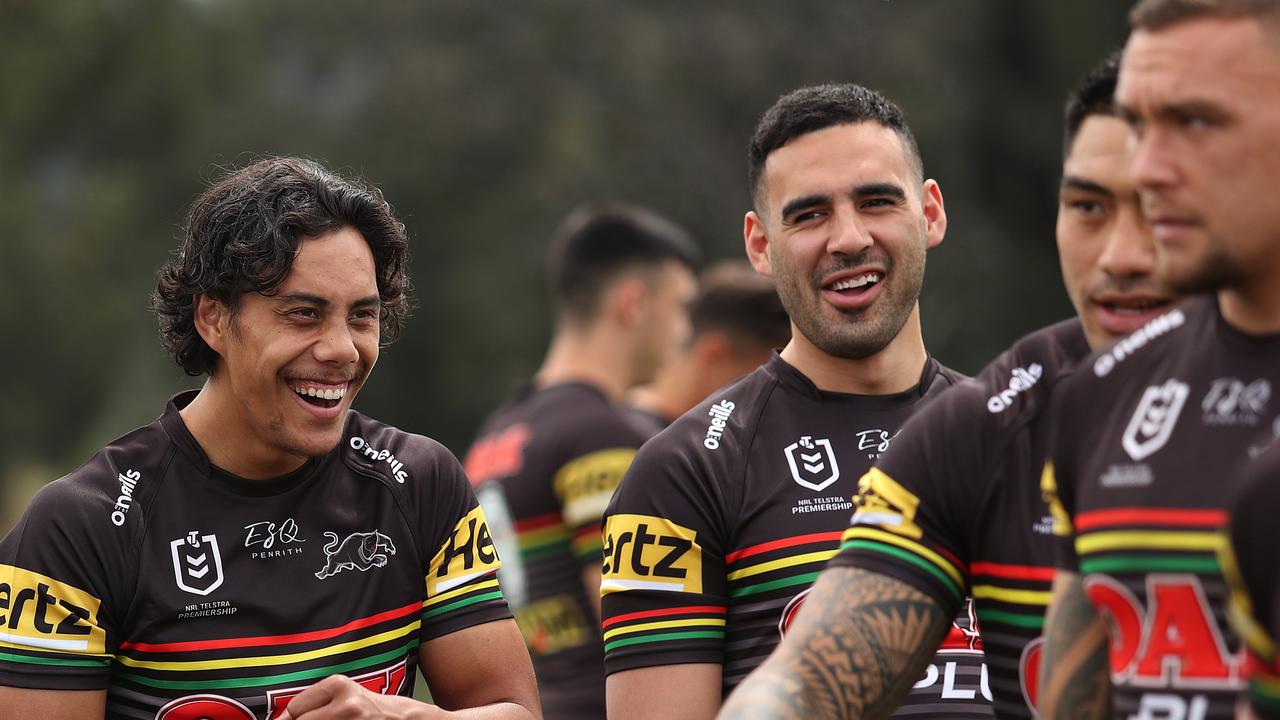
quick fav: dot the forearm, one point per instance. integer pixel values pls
(1074, 677)
(496, 711)
(860, 642)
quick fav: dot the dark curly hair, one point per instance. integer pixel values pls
(243, 233)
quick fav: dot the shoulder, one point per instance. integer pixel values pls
(397, 457)
(716, 433)
(104, 493)
(1134, 354)
(1020, 380)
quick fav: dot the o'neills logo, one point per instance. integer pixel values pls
(719, 413)
(128, 481)
(1108, 360)
(1021, 382)
(362, 446)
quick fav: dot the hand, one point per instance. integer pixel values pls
(338, 697)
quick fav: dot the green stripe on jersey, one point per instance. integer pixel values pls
(270, 679)
(65, 662)
(805, 579)
(1206, 564)
(495, 595)
(1007, 617)
(695, 635)
(912, 558)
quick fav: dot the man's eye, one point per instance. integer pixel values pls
(304, 313)
(878, 202)
(364, 315)
(806, 217)
(1091, 208)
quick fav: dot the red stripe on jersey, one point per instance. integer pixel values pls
(589, 529)
(538, 521)
(1150, 516)
(783, 543)
(1012, 572)
(228, 643)
(695, 609)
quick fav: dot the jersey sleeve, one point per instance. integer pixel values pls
(663, 590)
(1058, 477)
(904, 523)
(585, 482)
(65, 580)
(1253, 579)
(462, 562)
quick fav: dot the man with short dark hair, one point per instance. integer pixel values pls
(262, 550)
(726, 517)
(737, 321)
(1150, 437)
(954, 507)
(546, 462)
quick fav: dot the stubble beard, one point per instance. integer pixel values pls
(856, 334)
(1215, 271)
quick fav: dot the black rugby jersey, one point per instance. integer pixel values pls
(725, 519)
(1146, 450)
(1253, 573)
(190, 593)
(544, 467)
(954, 507)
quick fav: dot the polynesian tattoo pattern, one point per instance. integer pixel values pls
(859, 644)
(1074, 677)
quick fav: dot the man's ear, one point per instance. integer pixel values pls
(935, 215)
(627, 300)
(757, 243)
(212, 321)
(712, 350)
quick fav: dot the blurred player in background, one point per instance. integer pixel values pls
(546, 462)
(725, 518)
(1249, 564)
(1152, 433)
(262, 550)
(737, 320)
(954, 507)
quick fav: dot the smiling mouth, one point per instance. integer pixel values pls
(1136, 307)
(857, 282)
(323, 397)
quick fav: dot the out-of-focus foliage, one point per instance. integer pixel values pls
(484, 123)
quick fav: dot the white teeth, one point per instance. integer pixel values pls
(857, 282)
(327, 394)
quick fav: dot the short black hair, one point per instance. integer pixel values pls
(739, 302)
(243, 233)
(810, 109)
(1093, 95)
(598, 242)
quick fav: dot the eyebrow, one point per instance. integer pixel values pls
(877, 189)
(308, 298)
(1071, 182)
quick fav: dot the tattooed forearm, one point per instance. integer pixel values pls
(860, 642)
(1074, 679)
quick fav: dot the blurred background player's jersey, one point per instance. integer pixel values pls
(544, 467)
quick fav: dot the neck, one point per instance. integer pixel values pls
(1253, 309)
(217, 422)
(670, 395)
(591, 356)
(894, 369)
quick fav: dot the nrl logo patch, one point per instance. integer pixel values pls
(358, 551)
(1152, 423)
(813, 463)
(197, 564)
